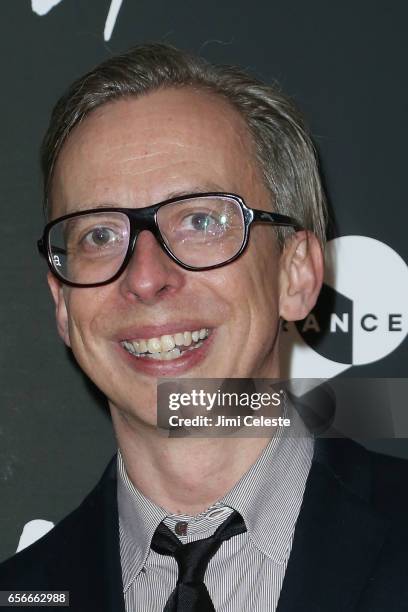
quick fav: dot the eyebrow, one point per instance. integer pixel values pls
(178, 193)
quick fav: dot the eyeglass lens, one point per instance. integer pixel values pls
(200, 232)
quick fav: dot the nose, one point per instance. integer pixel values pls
(150, 273)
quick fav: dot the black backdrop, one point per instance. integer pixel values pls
(344, 63)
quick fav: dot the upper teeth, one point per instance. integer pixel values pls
(164, 343)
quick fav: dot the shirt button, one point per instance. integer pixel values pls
(181, 528)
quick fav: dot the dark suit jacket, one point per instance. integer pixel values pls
(350, 549)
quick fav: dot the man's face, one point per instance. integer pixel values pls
(134, 153)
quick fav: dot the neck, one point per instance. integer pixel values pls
(183, 475)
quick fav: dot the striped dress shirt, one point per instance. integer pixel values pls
(247, 572)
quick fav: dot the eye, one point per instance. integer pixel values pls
(200, 221)
(100, 237)
(205, 222)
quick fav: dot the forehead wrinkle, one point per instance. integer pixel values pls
(150, 154)
(128, 170)
(141, 156)
(147, 156)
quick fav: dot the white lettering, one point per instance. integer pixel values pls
(337, 323)
(42, 7)
(111, 18)
(211, 400)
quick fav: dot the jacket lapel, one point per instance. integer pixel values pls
(110, 555)
(338, 535)
(90, 563)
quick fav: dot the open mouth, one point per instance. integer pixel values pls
(167, 347)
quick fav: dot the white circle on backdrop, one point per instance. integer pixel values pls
(375, 278)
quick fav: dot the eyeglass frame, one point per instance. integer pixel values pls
(141, 219)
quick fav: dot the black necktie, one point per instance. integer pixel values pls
(190, 594)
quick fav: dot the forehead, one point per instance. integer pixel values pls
(138, 151)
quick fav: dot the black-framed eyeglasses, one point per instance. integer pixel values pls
(200, 231)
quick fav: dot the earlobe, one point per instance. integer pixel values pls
(61, 313)
(301, 276)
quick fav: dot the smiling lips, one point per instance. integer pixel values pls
(166, 347)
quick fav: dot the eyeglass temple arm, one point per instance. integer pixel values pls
(56, 250)
(263, 216)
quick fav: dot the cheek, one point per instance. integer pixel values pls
(258, 281)
(86, 308)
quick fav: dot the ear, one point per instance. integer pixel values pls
(61, 313)
(301, 276)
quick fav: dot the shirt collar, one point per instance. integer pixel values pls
(139, 518)
(270, 494)
(268, 497)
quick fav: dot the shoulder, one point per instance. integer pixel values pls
(59, 551)
(377, 478)
(390, 479)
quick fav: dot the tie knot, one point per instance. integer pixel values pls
(193, 558)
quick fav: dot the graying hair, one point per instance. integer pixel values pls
(283, 146)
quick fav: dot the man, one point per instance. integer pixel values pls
(186, 222)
